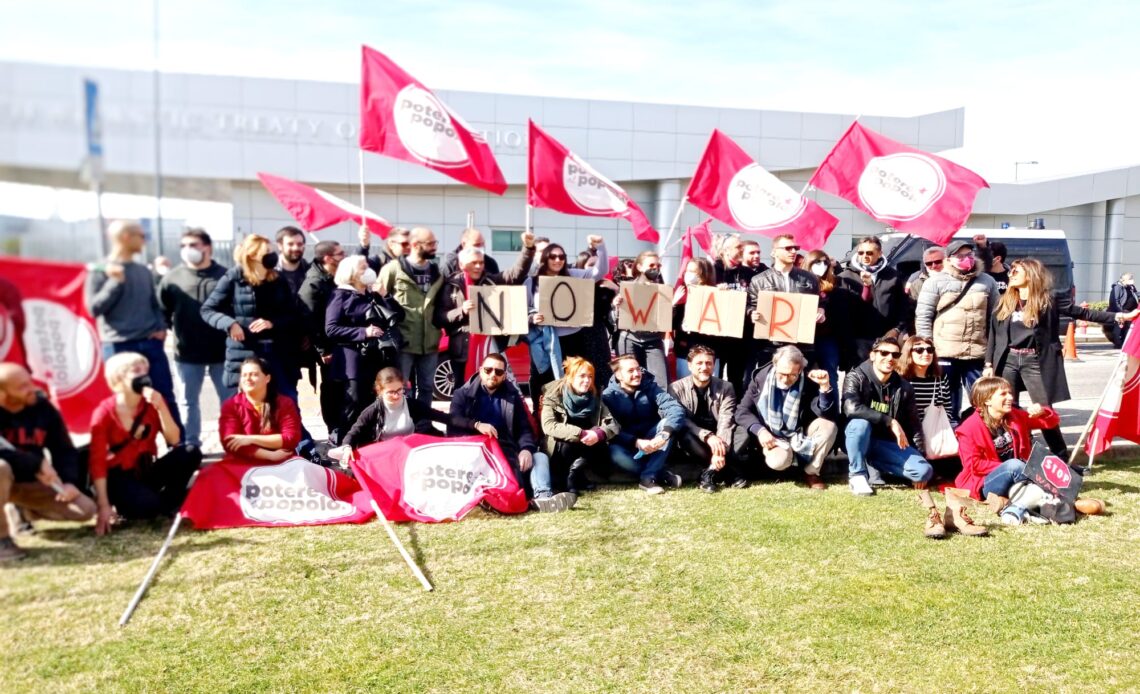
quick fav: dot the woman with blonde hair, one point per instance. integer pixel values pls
(577, 425)
(1023, 347)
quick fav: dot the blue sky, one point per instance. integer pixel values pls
(1056, 82)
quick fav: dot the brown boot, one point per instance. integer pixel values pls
(956, 518)
(996, 503)
(935, 530)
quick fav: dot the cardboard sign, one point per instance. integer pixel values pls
(645, 307)
(566, 302)
(786, 317)
(712, 311)
(499, 310)
(1053, 474)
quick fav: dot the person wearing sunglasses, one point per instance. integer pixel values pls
(880, 302)
(397, 245)
(392, 414)
(953, 312)
(933, 260)
(883, 431)
(491, 405)
(782, 276)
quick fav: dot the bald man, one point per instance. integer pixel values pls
(471, 238)
(414, 281)
(42, 486)
(123, 299)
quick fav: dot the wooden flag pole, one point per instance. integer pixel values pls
(1120, 363)
(673, 227)
(360, 163)
(400, 546)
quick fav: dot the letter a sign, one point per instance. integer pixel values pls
(717, 312)
(645, 307)
(566, 302)
(786, 317)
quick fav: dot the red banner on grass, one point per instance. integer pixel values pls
(403, 119)
(57, 340)
(906, 188)
(558, 179)
(295, 492)
(432, 479)
(733, 188)
(1119, 413)
(314, 209)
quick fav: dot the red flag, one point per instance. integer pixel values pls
(559, 180)
(911, 190)
(1119, 414)
(732, 187)
(59, 341)
(478, 346)
(314, 209)
(12, 324)
(403, 119)
(431, 479)
(230, 494)
(701, 234)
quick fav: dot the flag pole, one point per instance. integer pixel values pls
(1120, 362)
(360, 163)
(154, 565)
(399, 545)
(673, 227)
(527, 217)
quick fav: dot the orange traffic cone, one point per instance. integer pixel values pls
(1071, 342)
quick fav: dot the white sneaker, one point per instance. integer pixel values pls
(860, 486)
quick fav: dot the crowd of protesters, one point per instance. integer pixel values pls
(961, 340)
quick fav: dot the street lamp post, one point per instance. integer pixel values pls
(1017, 165)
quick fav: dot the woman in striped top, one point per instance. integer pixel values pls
(919, 366)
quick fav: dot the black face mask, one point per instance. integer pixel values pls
(269, 261)
(652, 275)
(140, 382)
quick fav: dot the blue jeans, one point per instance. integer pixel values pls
(1003, 477)
(962, 374)
(885, 456)
(645, 467)
(159, 371)
(420, 369)
(827, 356)
(192, 377)
(536, 481)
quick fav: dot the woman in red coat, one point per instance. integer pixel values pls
(996, 440)
(258, 425)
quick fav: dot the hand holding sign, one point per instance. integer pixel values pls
(784, 317)
(565, 302)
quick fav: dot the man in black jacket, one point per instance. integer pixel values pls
(47, 487)
(788, 416)
(490, 405)
(880, 296)
(314, 296)
(785, 277)
(471, 238)
(198, 348)
(883, 428)
(397, 245)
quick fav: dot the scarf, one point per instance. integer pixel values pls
(577, 406)
(875, 269)
(784, 423)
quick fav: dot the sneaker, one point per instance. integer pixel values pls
(18, 521)
(554, 503)
(1010, 519)
(650, 486)
(708, 482)
(739, 483)
(9, 551)
(670, 479)
(860, 486)
(875, 478)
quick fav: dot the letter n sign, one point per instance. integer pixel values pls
(786, 317)
(498, 310)
(566, 302)
(717, 312)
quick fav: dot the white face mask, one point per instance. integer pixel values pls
(191, 256)
(819, 268)
(692, 278)
(368, 277)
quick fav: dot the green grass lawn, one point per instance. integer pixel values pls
(770, 588)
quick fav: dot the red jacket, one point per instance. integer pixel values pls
(976, 445)
(108, 432)
(239, 417)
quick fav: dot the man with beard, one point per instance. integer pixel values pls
(291, 263)
(414, 282)
(880, 300)
(648, 416)
(710, 406)
(395, 246)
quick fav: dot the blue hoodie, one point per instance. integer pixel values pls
(643, 414)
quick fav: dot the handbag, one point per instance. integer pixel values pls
(937, 434)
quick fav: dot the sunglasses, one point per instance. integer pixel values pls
(889, 354)
(493, 370)
(792, 249)
(865, 252)
(934, 263)
(556, 256)
(921, 350)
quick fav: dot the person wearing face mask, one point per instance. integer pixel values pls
(126, 471)
(788, 416)
(783, 276)
(199, 350)
(953, 310)
(833, 334)
(353, 328)
(1123, 297)
(879, 305)
(736, 354)
(647, 346)
(698, 272)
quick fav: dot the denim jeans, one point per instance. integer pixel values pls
(159, 371)
(885, 456)
(420, 370)
(1023, 371)
(536, 481)
(191, 377)
(1003, 477)
(962, 374)
(645, 467)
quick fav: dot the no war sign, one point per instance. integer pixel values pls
(499, 310)
(566, 302)
(786, 317)
(711, 311)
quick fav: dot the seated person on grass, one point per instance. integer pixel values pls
(258, 425)
(577, 426)
(392, 414)
(710, 406)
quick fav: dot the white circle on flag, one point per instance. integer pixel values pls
(759, 201)
(590, 190)
(291, 493)
(62, 348)
(901, 187)
(425, 128)
(441, 479)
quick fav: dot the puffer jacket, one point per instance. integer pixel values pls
(420, 335)
(960, 331)
(556, 424)
(645, 412)
(235, 300)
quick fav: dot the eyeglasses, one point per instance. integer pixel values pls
(889, 354)
(934, 263)
(493, 370)
(921, 350)
(792, 249)
(395, 393)
(652, 266)
(556, 256)
(871, 252)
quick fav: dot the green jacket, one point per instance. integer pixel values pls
(422, 337)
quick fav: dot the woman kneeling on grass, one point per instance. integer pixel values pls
(124, 432)
(577, 426)
(392, 414)
(258, 425)
(996, 440)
